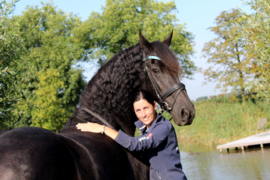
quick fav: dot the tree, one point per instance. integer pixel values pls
(116, 28)
(228, 53)
(50, 112)
(10, 51)
(49, 80)
(256, 33)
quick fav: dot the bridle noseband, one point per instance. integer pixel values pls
(179, 86)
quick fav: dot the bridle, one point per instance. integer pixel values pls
(179, 86)
(164, 105)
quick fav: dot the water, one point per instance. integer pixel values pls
(251, 164)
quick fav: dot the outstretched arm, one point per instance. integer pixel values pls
(97, 128)
(139, 143)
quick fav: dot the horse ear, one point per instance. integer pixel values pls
(168, 40)
(144, 42)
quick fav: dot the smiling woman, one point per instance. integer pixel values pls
(158, 140)
(144, 108)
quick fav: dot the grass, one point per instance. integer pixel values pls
(220, 121)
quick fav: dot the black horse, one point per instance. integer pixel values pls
(34, 153)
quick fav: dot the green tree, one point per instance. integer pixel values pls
(227, 53)
(10, 50)
(50, 81)
(116, 28)
(49, 111)
(256, 33)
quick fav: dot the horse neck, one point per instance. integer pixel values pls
(110, 91)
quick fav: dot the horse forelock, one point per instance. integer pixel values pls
(167, 57)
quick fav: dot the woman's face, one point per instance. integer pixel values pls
(145, 111)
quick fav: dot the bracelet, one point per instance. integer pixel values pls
(103, 129)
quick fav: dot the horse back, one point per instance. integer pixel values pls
(34, 153)
(98, 156)
(3, 131)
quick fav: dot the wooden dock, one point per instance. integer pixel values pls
(258, 139)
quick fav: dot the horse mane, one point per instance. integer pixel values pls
(110, 91)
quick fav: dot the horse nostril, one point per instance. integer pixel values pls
(184, 114)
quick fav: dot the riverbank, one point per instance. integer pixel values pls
(220, 121)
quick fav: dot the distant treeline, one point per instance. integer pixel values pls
(233, 96)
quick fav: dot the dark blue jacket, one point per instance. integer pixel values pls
(160, 146)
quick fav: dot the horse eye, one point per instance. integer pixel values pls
(155, 70)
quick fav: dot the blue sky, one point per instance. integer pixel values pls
(198, 15)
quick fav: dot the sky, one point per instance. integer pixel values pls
(198, 16)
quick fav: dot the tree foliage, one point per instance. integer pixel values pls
(49, 82)
(256, 33)
(228, 53)
(50, 111)
(116, 28)
(11, 48)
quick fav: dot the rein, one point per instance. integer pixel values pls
(95, 115)
(179, 86)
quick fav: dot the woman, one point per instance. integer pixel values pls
(158, 140)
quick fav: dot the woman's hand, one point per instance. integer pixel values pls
(90, 127)
(97, 128)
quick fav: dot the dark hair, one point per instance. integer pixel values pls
(143, 94)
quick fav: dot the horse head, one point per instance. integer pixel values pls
(162, 72)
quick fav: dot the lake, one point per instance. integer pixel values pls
(208, 163)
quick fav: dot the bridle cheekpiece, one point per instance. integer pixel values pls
(179, 86)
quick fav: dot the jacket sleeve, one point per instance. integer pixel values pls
(144, 142)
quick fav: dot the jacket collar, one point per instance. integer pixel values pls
(139, 124)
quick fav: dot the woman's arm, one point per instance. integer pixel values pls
(139, 143)
(151, 140)
(97, 128)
